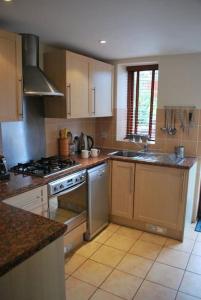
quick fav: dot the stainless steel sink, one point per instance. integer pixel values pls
(148, 156)
(124, 153)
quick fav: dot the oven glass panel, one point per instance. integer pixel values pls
(70, 206)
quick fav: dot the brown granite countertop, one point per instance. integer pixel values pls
(20, 184)
(186, 163)
(22, 234)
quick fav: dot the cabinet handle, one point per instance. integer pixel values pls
(69, 99)
(20, 98)
(131, 180)
(94, 90)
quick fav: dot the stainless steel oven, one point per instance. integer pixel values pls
(68, 199)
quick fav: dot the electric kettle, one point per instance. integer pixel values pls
(86, 142)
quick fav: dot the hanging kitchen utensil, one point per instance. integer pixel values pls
(171, 122)
(174, 130)
(165, 124)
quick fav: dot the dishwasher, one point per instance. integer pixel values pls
(98, 200)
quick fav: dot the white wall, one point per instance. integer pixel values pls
(179, 78)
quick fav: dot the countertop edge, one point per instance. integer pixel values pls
(29, 252)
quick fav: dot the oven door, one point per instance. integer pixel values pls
(70, 206)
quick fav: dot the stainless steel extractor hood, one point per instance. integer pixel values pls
(35, 81)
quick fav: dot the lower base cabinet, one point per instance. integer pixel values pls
(40, 277)
(152, 198)
(159, 196)
(35, 201)
(122, 189)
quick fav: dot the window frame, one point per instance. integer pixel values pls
(132, 127)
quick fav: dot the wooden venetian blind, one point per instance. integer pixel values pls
(142, 100)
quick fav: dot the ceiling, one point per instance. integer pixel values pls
(131, 27)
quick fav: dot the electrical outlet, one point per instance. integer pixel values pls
(156, 229)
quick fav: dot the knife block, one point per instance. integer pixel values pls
(64, 148)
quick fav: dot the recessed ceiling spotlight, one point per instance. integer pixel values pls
(102, 42)
(7, 0)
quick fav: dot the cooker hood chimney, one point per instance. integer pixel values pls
(35, 81)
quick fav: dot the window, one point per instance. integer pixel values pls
(142, 100)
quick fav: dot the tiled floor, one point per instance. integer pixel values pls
(124, 263)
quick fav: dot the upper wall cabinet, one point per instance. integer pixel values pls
(101, 88)
(10, 76)
(85, 83)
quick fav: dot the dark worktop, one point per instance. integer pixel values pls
(186, 163)
(22, 234)
(20, 184)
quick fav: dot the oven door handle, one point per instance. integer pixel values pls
(69, 190)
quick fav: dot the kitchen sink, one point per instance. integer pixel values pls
(148, 156)
(125, 153)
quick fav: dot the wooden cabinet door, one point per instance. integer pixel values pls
(100, 88)
(10, 77)
(77, 85)
(122, 189)
(34, 200)
(159, 196)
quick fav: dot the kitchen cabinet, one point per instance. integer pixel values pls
(159, 196)
(152, 198)
(122, 189)
(35, 201)
(100, 89)
(10, 76)
(77, 85)
(39, 277)
(86, 84)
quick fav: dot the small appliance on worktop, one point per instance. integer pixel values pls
(3, 169)
(45, 166)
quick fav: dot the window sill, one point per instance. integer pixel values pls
(133, 142)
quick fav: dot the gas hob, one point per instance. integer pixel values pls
(45, 166)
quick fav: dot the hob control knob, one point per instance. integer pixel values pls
(61, 186)
(55, 189)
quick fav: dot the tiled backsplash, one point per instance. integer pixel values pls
(103, 130)
(106, 135)
(76, 126)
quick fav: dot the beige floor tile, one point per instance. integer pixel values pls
(173, 258)
(92, 272)
(153, 291)
(189, 233)
(182, 296)
(120, 242)
(153, 238)
(186, 245)
(129, 232)
(145, 249)
(88, 249)
(165, 275)
(122, 284)
(102, 295)
(73, 262)
(191, 284)
(77, 290)
(194, 264)
(108, 256)
(135, 265)
(113, 227)
(197, 248)
(103, 236)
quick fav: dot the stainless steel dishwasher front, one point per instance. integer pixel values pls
(98, 200)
